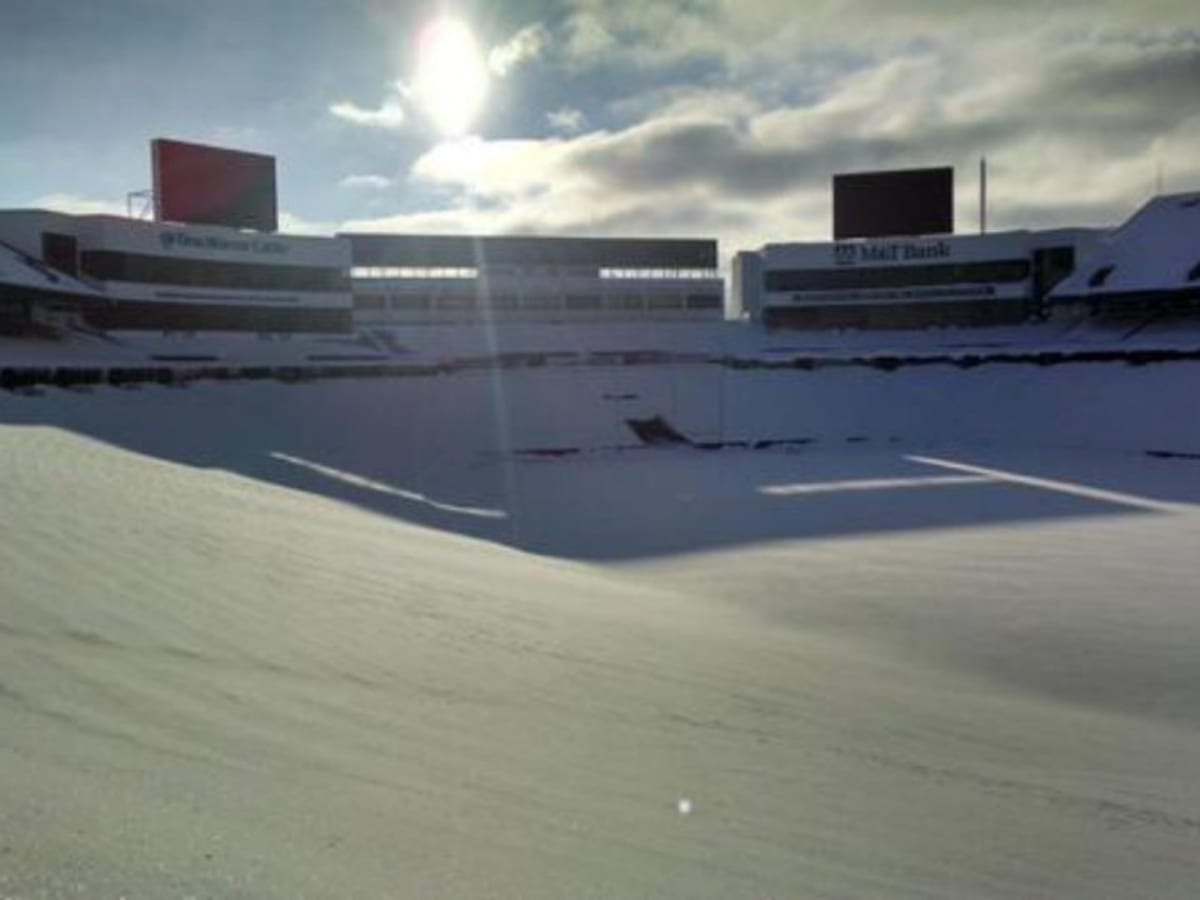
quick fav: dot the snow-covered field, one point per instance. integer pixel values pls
(340, 639)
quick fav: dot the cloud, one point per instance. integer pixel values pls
(290, 223)
(577, 186)
(759, 36)
(76, 205)
(494, 170)
(610, 33)
(527, 44)
(1069, 138)
(389, 115)
(1074, 106)
(370, 182)
(567, 120)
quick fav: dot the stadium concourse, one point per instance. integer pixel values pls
(211, 261)
(176, 291)
(66, 276)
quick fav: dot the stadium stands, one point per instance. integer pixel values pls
(1149, 265)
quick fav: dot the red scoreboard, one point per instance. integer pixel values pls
(202, 185)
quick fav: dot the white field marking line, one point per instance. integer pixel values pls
(380, 487)
(1061, 487)
(869, 484)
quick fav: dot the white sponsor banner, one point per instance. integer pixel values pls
(205, 242)
(167, 293)
(903, 251)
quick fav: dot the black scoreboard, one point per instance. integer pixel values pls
(887, 204)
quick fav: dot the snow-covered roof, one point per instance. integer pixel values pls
(22, 271)
(1156, 251)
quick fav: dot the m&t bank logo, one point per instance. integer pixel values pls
(845, 254)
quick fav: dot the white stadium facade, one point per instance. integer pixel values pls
(116, 273)
(126, 273)
(211, 261)
(909, 281)
(427, 279)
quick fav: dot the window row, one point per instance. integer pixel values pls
(662, 274)
(109, 265)
(159, 316)
(897, 295)
(413, 272)
(511, 302)
(994, 272)
(461, 272)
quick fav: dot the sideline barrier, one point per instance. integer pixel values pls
(18, 377)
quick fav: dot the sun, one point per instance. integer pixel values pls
(452, 77)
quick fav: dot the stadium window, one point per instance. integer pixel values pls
(703, 301)
(457, 301)
(1100, 276)
(415, 303)
(1062, 257)
(665, 301)
(109, 265)
(626, 301)
(61, 251)
(1002, 271)
(504, 302)
(542, 301)
(582, 301)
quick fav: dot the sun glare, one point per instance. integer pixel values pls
(452, 78)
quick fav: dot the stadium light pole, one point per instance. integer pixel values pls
(983, 195)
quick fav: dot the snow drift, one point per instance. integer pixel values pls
(271, 640)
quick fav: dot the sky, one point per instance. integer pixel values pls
(706, 118)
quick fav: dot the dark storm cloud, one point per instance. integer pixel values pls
(1074, 104)
(1089, 98)
(646, 216)
(725, 159)
(1157, 87)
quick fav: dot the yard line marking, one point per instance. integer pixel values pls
(1047, 484)
(380, 487)
(868, 484)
